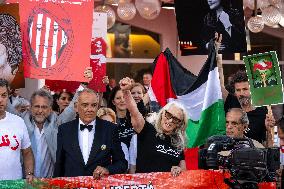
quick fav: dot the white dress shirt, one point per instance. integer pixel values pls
(86, 138)
(44, 166)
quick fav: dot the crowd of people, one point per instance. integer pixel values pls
(121, 131)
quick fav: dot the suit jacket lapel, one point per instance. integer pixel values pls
(97, 140)
(75, 145)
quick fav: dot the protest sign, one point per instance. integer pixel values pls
(98, 52)
(264, 78)
(198, 20)
(56, 38)
(11, 66)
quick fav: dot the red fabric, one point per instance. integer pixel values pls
(98, 64)
(197, 179)
(260, 67)
(160, 82)
(54, 85)
(191, 158)
(59, 47)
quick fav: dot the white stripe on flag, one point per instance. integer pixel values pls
(44, 58)
(151, 94)
(38, 34)
(203, 97)
(54, 43)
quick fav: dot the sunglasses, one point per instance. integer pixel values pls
(175, 120)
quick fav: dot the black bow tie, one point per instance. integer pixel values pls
(89, 127)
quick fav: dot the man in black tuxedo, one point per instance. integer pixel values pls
(88, 145)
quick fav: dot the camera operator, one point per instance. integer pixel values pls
(236, 124)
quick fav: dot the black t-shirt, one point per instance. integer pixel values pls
(155, 154)
(125, 130)
(231, 102)
(257, 130)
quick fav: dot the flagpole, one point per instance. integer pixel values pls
(269, 109)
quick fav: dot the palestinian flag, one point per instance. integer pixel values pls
(201, 95)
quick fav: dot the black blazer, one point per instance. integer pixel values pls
(106, 150)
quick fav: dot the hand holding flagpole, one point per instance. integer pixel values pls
(269, 120)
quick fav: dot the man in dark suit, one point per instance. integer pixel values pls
(88, 145)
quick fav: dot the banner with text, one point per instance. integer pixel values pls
(198, 179)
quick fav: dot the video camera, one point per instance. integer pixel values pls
(247, 164)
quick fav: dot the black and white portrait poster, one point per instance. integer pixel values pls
(198, 20)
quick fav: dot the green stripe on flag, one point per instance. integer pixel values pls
(212, 122)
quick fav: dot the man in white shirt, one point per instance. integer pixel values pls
(147, 77)
(42, 128)
(88, 145)
(42, 125)
(15, 140)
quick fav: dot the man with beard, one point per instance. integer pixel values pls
(260, 119)
(42, 126)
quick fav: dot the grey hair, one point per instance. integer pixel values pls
(4, 83)
(244, 117)
(87, 90)
(42, 93)
(178, 137)
(20, 102)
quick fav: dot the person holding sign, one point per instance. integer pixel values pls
(260, 119)
(160, 146)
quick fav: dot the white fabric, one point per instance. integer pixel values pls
(151, 94)
(38, 135)
(44, 166)
(133, 150)
(86, 138)
(281, 159)
(125, 151)
(210, 91)
(12, 130)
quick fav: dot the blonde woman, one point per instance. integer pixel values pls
(107, 114)
(160, 146)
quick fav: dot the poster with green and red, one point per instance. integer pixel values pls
(264, 78)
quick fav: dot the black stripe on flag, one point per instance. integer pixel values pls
(182, 80)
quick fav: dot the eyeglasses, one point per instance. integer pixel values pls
(37, 107)
(234, 123)
(175, 120)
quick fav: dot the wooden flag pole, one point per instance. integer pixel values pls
(269, 109)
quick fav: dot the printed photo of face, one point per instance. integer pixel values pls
(10, 47)
(214, 4)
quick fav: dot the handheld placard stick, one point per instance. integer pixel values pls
(269, 109)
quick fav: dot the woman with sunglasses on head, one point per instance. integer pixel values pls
(160, 146)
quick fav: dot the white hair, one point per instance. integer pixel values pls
(20, 102)
(178, 137)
